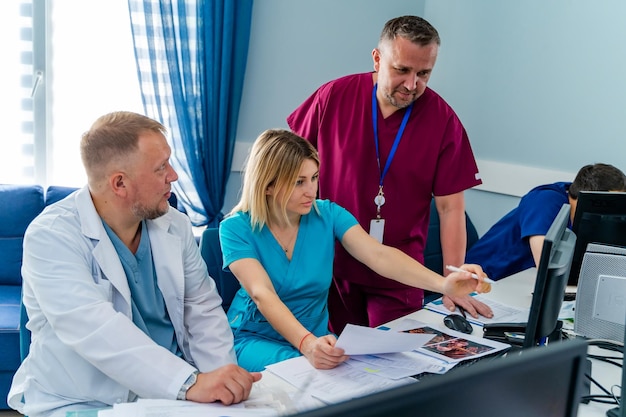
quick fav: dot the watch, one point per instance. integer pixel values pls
(182, 393)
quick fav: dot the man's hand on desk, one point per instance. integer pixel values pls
(229, 384)
(469, 304)
(322, 353)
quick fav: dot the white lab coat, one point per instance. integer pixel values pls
(85, 346)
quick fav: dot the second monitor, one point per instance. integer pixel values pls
(600, 217)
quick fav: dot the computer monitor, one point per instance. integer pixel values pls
(531, 382)
(552, 275)
(551, 280)
(600, 218)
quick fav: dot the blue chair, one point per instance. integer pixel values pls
(433, 256)
(227, 284)
(24, 332)
(19, 205)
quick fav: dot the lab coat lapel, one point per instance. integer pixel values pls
(109, 262)
(166, 250)
(104, 253)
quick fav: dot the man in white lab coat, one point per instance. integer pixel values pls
(119, 300)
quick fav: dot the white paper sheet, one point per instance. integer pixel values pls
(172, 408)
(333, 385)
(360, 340)
(501, 313)
(400, 365)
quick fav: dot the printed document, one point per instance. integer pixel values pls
(333, 385)
(361, 340)
(502, 313)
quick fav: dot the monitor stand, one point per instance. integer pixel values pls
(513, 333)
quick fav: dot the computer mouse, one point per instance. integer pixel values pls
(458, 322)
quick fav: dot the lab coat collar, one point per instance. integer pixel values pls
(164, 246)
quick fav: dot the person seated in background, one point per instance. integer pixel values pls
(514, 243)
(119, 300)
(279, 241)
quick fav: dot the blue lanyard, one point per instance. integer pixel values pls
(396, 142)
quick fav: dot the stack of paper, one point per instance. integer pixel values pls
(383, 359)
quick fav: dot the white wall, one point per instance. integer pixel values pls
(540, 86)
(537, 83)
(296, 45)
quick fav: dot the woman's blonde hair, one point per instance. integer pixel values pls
(274, 160)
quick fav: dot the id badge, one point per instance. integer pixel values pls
(377, 229)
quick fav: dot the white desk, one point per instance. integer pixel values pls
(515, 291)
(607, 375)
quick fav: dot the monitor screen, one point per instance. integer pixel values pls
(552, 275)
(532, 382)
(600, 218)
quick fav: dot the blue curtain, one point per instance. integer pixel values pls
(191, 58)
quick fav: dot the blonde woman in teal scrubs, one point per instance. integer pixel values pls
(279, 241)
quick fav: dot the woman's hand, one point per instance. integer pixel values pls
(321, 351)
(462, 283)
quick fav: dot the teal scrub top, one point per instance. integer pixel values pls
(302, 284)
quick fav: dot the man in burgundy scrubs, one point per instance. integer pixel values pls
(388, 144)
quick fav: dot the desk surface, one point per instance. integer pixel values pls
(515, 290)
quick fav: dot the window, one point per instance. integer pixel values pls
(84, 53)
(16, 109)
